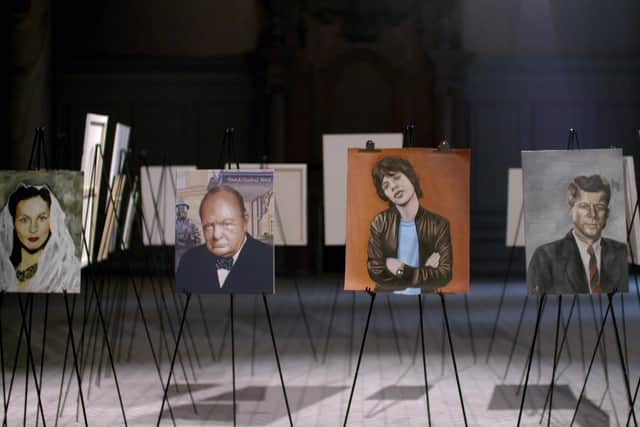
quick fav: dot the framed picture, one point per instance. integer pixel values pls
(408, 221)
(40, 231)
(290, 205)
(334, 158)
(575, 221)
(95, 134)
(224, 231)
(158, 191)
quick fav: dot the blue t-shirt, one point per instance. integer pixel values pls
(408, 251)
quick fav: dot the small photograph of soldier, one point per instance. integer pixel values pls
(187, 232)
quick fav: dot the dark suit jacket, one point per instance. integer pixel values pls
(557, 268)
(251, 273)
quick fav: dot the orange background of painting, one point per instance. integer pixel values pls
(445, 182)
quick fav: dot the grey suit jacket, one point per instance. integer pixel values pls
(556, 268)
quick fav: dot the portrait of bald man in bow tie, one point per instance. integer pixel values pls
(230, 260)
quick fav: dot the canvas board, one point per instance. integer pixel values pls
(334, 158)
(95, 134)
(290, 207)
(557, 235)
(229, 218)
(132, 204)
(109, 230)
(158, 193)
(430, 251)
(633, 215)
(120, 147)
(515, 209)
(40, 231)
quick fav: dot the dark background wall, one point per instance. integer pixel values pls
(539, 68)
(497, 76)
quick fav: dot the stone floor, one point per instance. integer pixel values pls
(319, 354)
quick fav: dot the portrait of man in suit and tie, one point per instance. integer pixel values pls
(583, 261)
(230, 260)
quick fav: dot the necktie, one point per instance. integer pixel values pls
(225, 262)
(594, 274)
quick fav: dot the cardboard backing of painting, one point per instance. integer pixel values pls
(158, 194)
(633, 215)
(290, 208)
(515, 210)
(444, 179)
(334, 159)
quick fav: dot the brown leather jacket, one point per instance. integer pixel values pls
(433, 236)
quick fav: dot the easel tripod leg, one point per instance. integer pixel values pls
(110, 353)
(233, 358)
(530, 360)
(424, 360)
(275, 351)
(355, 377)
(559, 353)
(330, 327)
(622, 359)
(470, 327)
(515, 338)
(30, 353)
(75, 357)
(305, 320)
(555, 361)
(173, 359)
(593, 358)
(453, 358)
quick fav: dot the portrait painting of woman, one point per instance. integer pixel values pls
(37, 252)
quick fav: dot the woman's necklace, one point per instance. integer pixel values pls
(27, 273)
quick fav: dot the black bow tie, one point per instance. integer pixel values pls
(225, 262)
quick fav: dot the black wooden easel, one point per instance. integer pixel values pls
(443, 147)
(610, 309)
(573, 142)
(91, 282)
(157, 286)
(633, 216)
(37, 160)
(512, 250)
(295, 280)
(227, 153)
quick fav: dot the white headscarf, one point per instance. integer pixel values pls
(58, 266)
